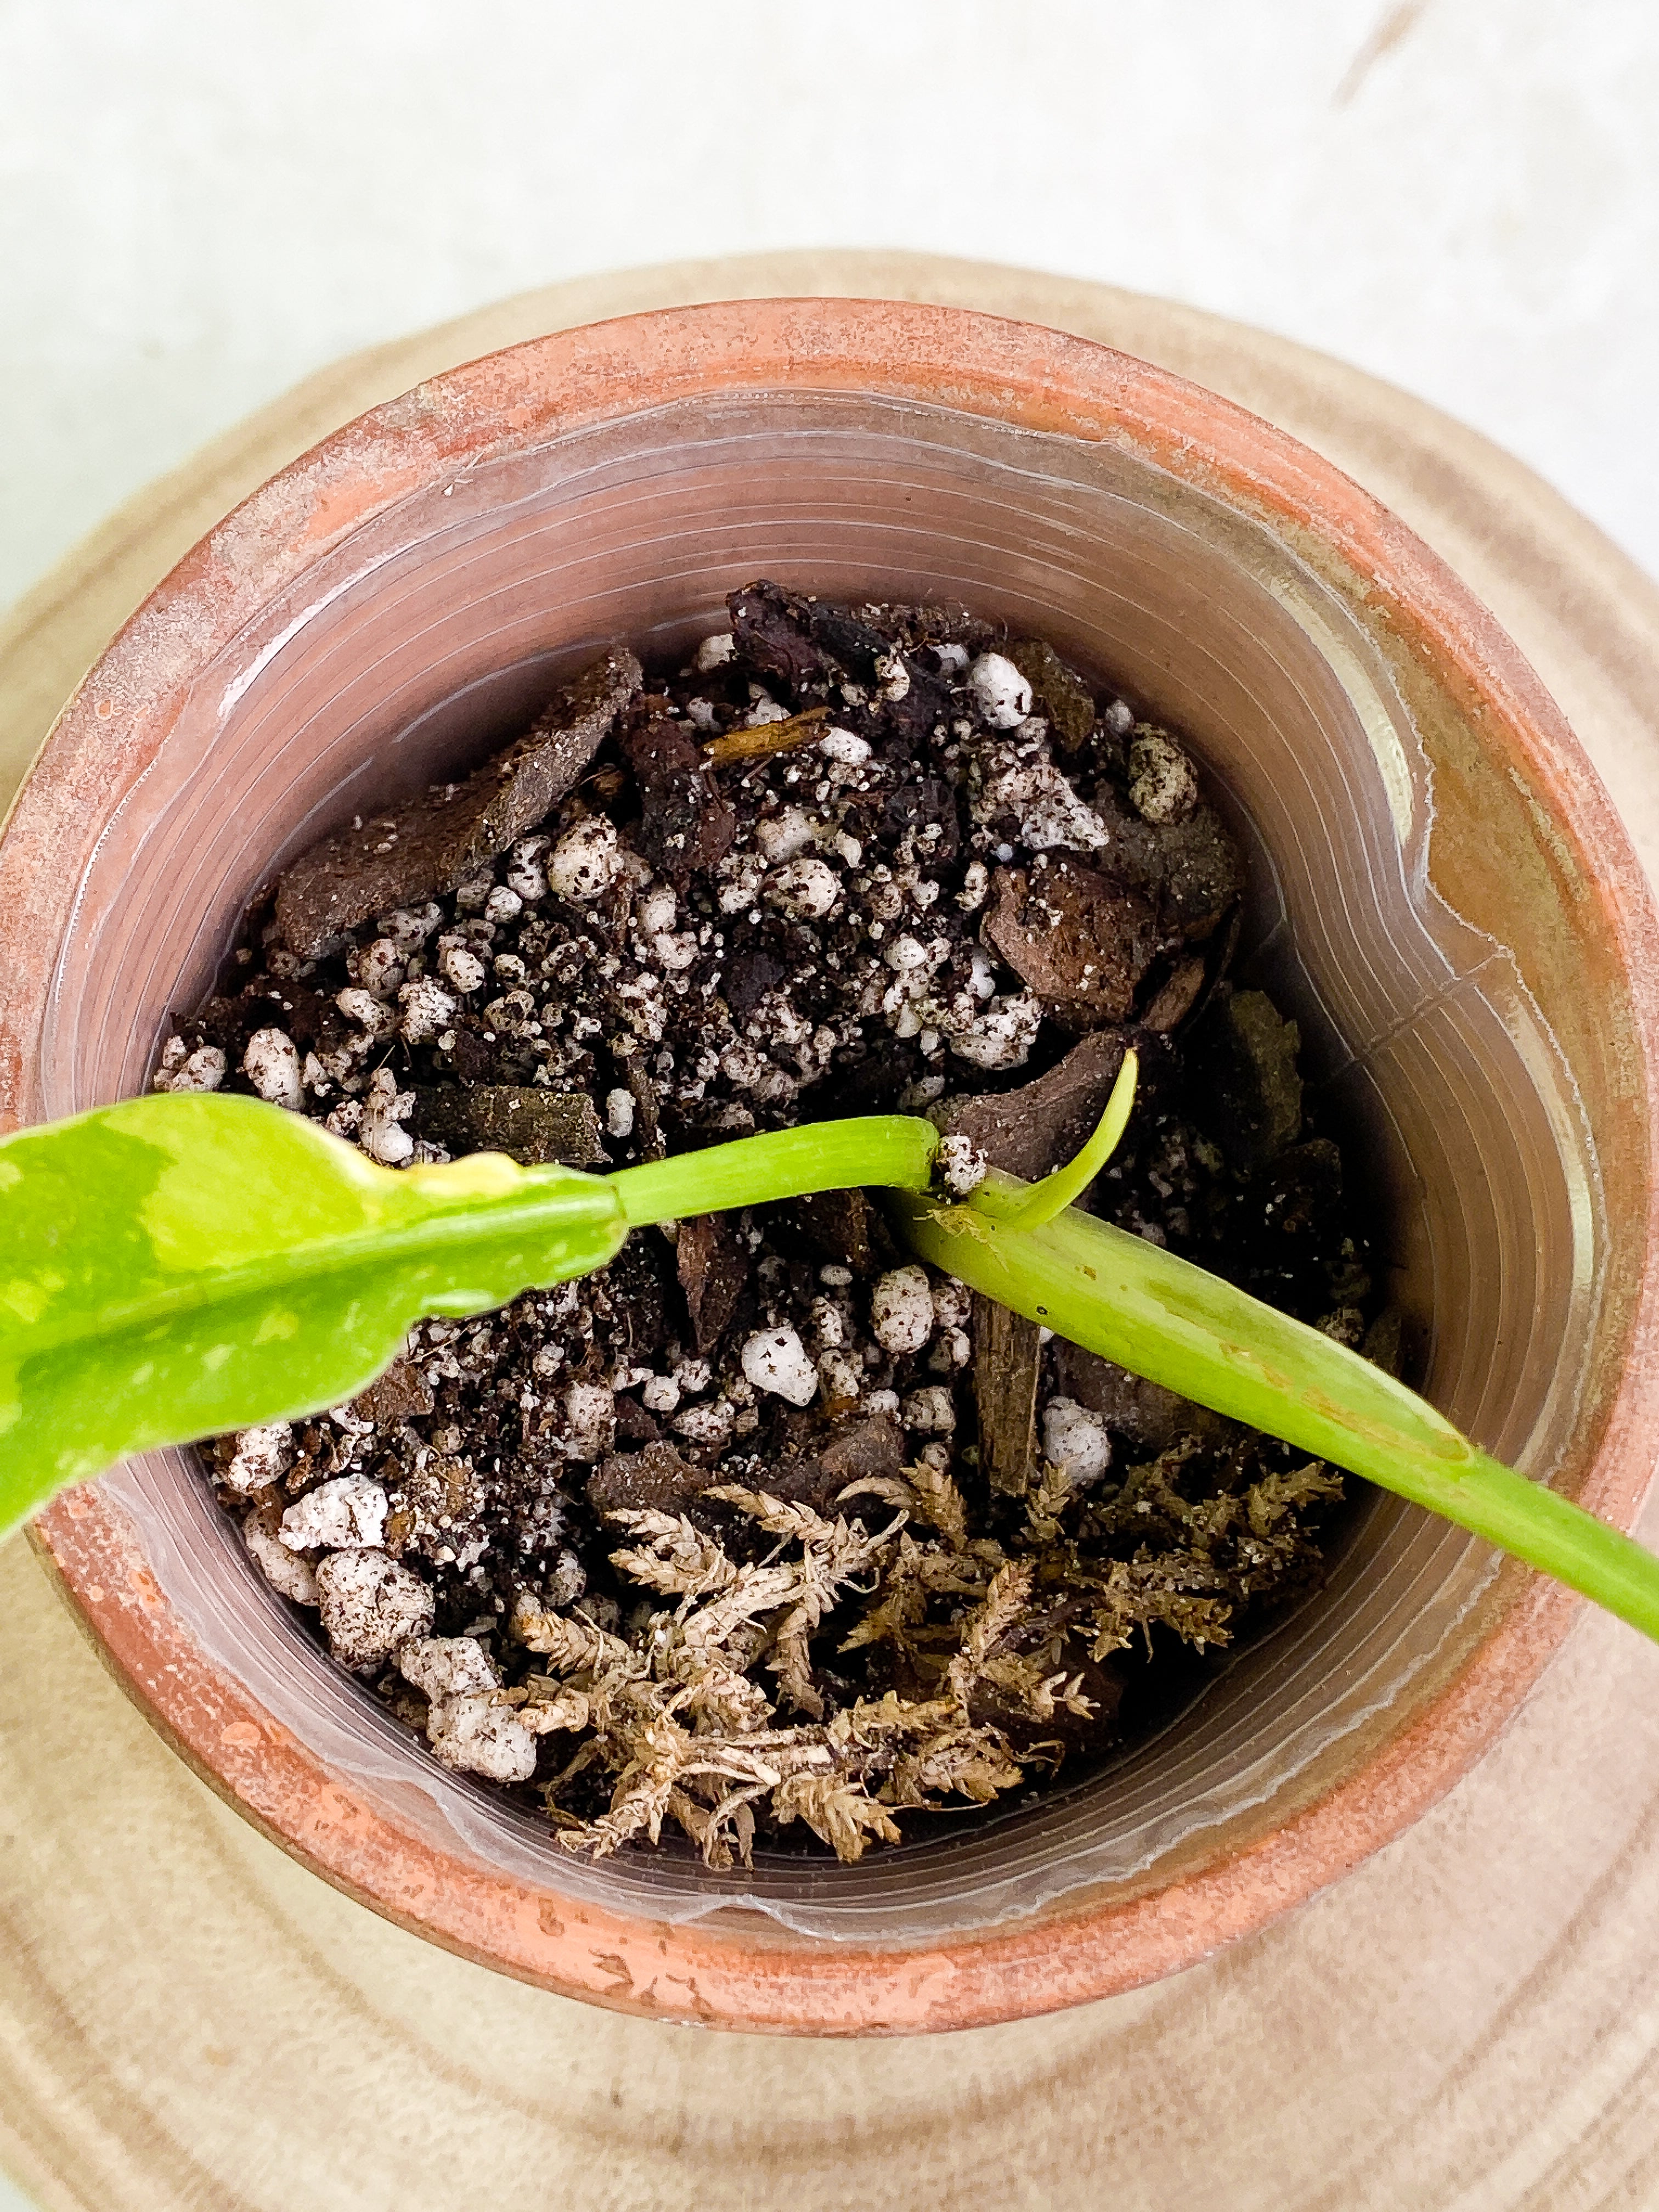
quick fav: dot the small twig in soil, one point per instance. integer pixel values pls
(803, 729)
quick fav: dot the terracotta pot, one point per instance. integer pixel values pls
(1442, 891)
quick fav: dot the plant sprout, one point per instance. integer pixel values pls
(184, 1264)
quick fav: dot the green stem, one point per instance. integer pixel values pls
(1032, 1204)
(1176, 1325)
(881, 1150)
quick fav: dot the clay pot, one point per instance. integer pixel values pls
(1442, 893)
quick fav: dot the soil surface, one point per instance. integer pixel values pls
(768, 1530)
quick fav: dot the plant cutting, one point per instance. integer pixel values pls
(178, 1265)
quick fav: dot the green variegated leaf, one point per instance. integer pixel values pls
(177, 1265)
(180, 1265)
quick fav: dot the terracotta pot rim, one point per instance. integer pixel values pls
(760, 1977)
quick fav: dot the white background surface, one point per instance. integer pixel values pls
(201, 200)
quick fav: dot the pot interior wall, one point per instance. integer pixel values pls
(418, 643)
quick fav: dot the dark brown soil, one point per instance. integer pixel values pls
(846, 860)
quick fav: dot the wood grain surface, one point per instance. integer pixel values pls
(1469, 2023)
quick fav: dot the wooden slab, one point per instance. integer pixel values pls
(1468, 2020)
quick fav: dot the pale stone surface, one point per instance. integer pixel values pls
(1461, 207)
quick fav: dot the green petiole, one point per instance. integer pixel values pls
(1175, 1324)
(882, 1152)
(1028, 1205)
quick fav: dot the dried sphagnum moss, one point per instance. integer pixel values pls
(691, 1719)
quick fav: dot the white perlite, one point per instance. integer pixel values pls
(1162, 787)
(587, 860)
(346, 1514)
(524, 873)
(962, 1165)
(828, 1324)
(288, 1575)
(975, 883)
(781, 836)
(932, 1410)
(892, 677)
(460, 967)
(369, 1012)
(707, 1424)
(776, 1359)
(845, 747)
(473, 1735)
(370, 1604)
(175, 1052)
(661, 1395)
(201, 1070)
(1002, 1036)
(1075, 1440)
(1050, 815)
(952, 1348)
(271, 1064)
(715, 651)
(447, 1666)
(408, 927)
(263, 1455)
(804, 890)
(427, 1008)
(380, 1131)
(619, 1113)
(842, 1373)
(901, 1311)
(656, 910)
(590, 1413)
(1001, 693)
(379, 967)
